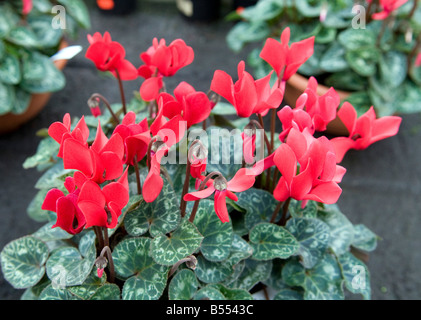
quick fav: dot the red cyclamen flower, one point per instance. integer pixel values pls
(69, 217)
(388, 6)
(242, 181)
(109, 56)
(100, 162)
(247, 95)
(363, 131)
(318, 175)
(167, 60)
(287, 60)
(102, 207)
(167, 133)
(136, 137)
(27, 6)
(61, 131)
(192, 105)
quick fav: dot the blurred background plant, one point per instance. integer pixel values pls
(30, 33)
(366, 48)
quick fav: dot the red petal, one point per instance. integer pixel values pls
(50, 201)
(243, 180)
(77, 156)
(90, 191)
(286, 162)
(221, 206)
(152, 186)
(193, 196)
(222, 84)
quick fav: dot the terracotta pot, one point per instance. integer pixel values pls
(296, 86)
(10, 121)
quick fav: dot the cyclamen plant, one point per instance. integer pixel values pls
(125, 221)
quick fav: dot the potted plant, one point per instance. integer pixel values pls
(30, 33)
(366, 49)
(154, 199)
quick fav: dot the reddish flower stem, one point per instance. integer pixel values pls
(283, 220)
(99, 236)
(183, 203)
(275, 212)
(107, 104)
(107, 250)
(123, 98)
(136, 169)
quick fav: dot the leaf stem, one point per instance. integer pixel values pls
(136, 169)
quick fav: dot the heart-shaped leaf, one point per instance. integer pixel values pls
(183, 286)
(22, 262)
(270, 241)
(185, 240)
(313, 236)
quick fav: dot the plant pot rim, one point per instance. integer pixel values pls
(10, 122)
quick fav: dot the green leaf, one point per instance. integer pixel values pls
(254, 272)
(408, 98)
(393, 68)
(333, 60)
(95, 288)
(183, 286)
(208, 293)
(326, 36)
(23, 36)
(22, 100)
(288, 294)
(313, 236)
(22, 262)
(45, 78)
(296, 211)
(309, 9)
(146, 280)
(54, 177)
(51, 293)
(161, 216)
(10, 72)
(347, 80)
(212, 272)
(69, 266)
(258, 204)
(364, 238)
(262, 11)
(245, 32)
(232, 294)
(47, 233)
(8, 19)
(77, 10)
(341, 229)
(46, 149)
(6, 98)
(363, 60)
(216, 244)
(356, 275)
(47, 36)
(34, 208)
(181, 243)
(224, 109)
(355, 39)
(323, 282)
(271, 241)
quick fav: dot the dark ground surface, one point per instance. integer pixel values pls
(382, 188)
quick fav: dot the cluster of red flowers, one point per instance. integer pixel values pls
(309, 166)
